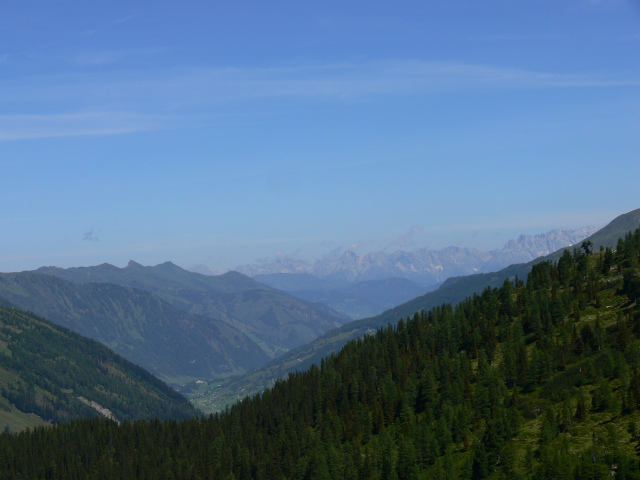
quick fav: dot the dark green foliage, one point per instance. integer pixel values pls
(602, 397)
(45, 368)
(519, 381)
(631, 285)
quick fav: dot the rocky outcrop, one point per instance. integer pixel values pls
(424, 266)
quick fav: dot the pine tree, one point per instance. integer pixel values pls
(581, 410)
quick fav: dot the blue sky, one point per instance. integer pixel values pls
(227, 132)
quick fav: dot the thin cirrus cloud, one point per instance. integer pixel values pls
(24, 127)
(523, 37)
(105, 58)
(125, 102)
(98, 58)
(387, 77)
(109, 25)
(330, 80)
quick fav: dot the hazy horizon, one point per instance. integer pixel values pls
(404, 243)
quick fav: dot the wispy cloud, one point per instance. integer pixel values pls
(122, 102)
(118, 21)
(519, 37)
(101, 58)
(187, 86)
(23, 127)
(97, 58)
(591, 3)
(375, 78)
(126, 19)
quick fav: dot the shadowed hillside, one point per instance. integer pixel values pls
(50, 374)
(168, 342)
(274, 320)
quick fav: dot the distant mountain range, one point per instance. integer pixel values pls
(453, 290)
(271, 318)
(179, 325)
(364, 285)
(424, 266)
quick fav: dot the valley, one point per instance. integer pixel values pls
(218, 339)
(170, 343)
(527, 378)
(274, 320)
(452, 291)
(319, 240)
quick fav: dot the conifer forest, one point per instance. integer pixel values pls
(539, 378)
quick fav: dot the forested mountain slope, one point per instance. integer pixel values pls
(170, 343)
(45, 370)
(273, 319)
(536, 380)
(452, 291)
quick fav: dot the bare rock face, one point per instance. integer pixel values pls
(529, 247)
(426, 267)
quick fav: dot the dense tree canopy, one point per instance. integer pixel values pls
(530, 380)
(45, 368)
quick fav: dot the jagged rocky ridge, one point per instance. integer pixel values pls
(424, 266)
